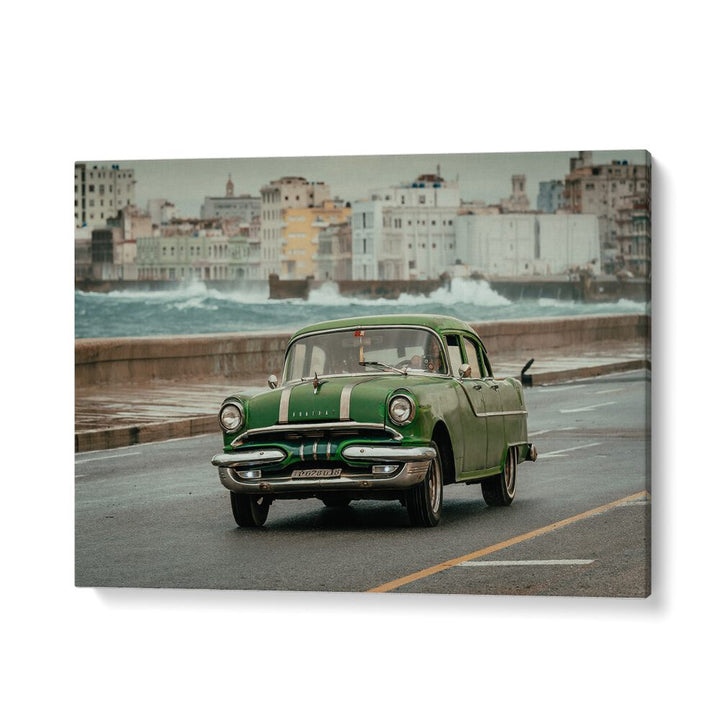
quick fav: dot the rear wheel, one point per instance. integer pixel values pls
(424, 501)
(249, 510)
(499, 491)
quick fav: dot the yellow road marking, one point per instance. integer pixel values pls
(394, 584)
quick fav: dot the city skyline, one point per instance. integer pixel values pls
(482, 177)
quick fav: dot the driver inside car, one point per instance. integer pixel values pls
(432, 359)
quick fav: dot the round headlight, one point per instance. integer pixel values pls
(401, 410)
(231, 417)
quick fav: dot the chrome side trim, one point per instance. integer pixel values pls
(499, 413)
(248, 457)
(502, 412)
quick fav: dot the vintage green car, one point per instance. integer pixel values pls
(391, 407)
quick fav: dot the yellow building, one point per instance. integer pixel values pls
(298, 258)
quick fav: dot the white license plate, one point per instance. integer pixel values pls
(317, 473)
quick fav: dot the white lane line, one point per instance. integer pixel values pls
(605, 392)
(106, 457)
(542, 432)
(498, 563)
(560, 388)
(587, 408)
(561, 453)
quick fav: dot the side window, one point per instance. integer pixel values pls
(455, 356)
(472, 352)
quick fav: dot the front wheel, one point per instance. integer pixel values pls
(424, 501)
(499, 491)
(249, 510)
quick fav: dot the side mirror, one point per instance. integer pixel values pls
(464, 371)
(272, 382)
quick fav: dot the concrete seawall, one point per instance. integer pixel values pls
(549, 333)
(113, 361)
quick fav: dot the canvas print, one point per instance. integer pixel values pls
(387, 374)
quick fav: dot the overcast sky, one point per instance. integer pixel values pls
(485, 177)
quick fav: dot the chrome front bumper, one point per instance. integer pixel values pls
(413, 464)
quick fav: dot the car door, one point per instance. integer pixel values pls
(486, 398)
(472, 422)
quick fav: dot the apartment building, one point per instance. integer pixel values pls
(101, 192)
(605, 191)
(368, 241)
(334, 256)
(279, 195)
(633, 236)
(200, 250)
(300, 237)
(406, 231)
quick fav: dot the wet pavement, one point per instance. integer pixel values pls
(119, 415)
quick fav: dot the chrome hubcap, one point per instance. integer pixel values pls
(510, 472)
(434, 486)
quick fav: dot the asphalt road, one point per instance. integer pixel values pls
(155, 515)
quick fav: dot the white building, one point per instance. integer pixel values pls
(407, 231)
(426, 191)
(523, 244)
(101, 192)
(367, 237)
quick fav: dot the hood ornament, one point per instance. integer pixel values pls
(316, 384)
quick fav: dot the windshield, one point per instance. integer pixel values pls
(367, 350)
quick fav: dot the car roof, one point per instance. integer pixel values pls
(439, 323)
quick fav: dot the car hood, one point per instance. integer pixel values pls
(357, 398)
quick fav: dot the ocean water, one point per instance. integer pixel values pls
(196, 309)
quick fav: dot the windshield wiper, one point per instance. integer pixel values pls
(376, 363)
